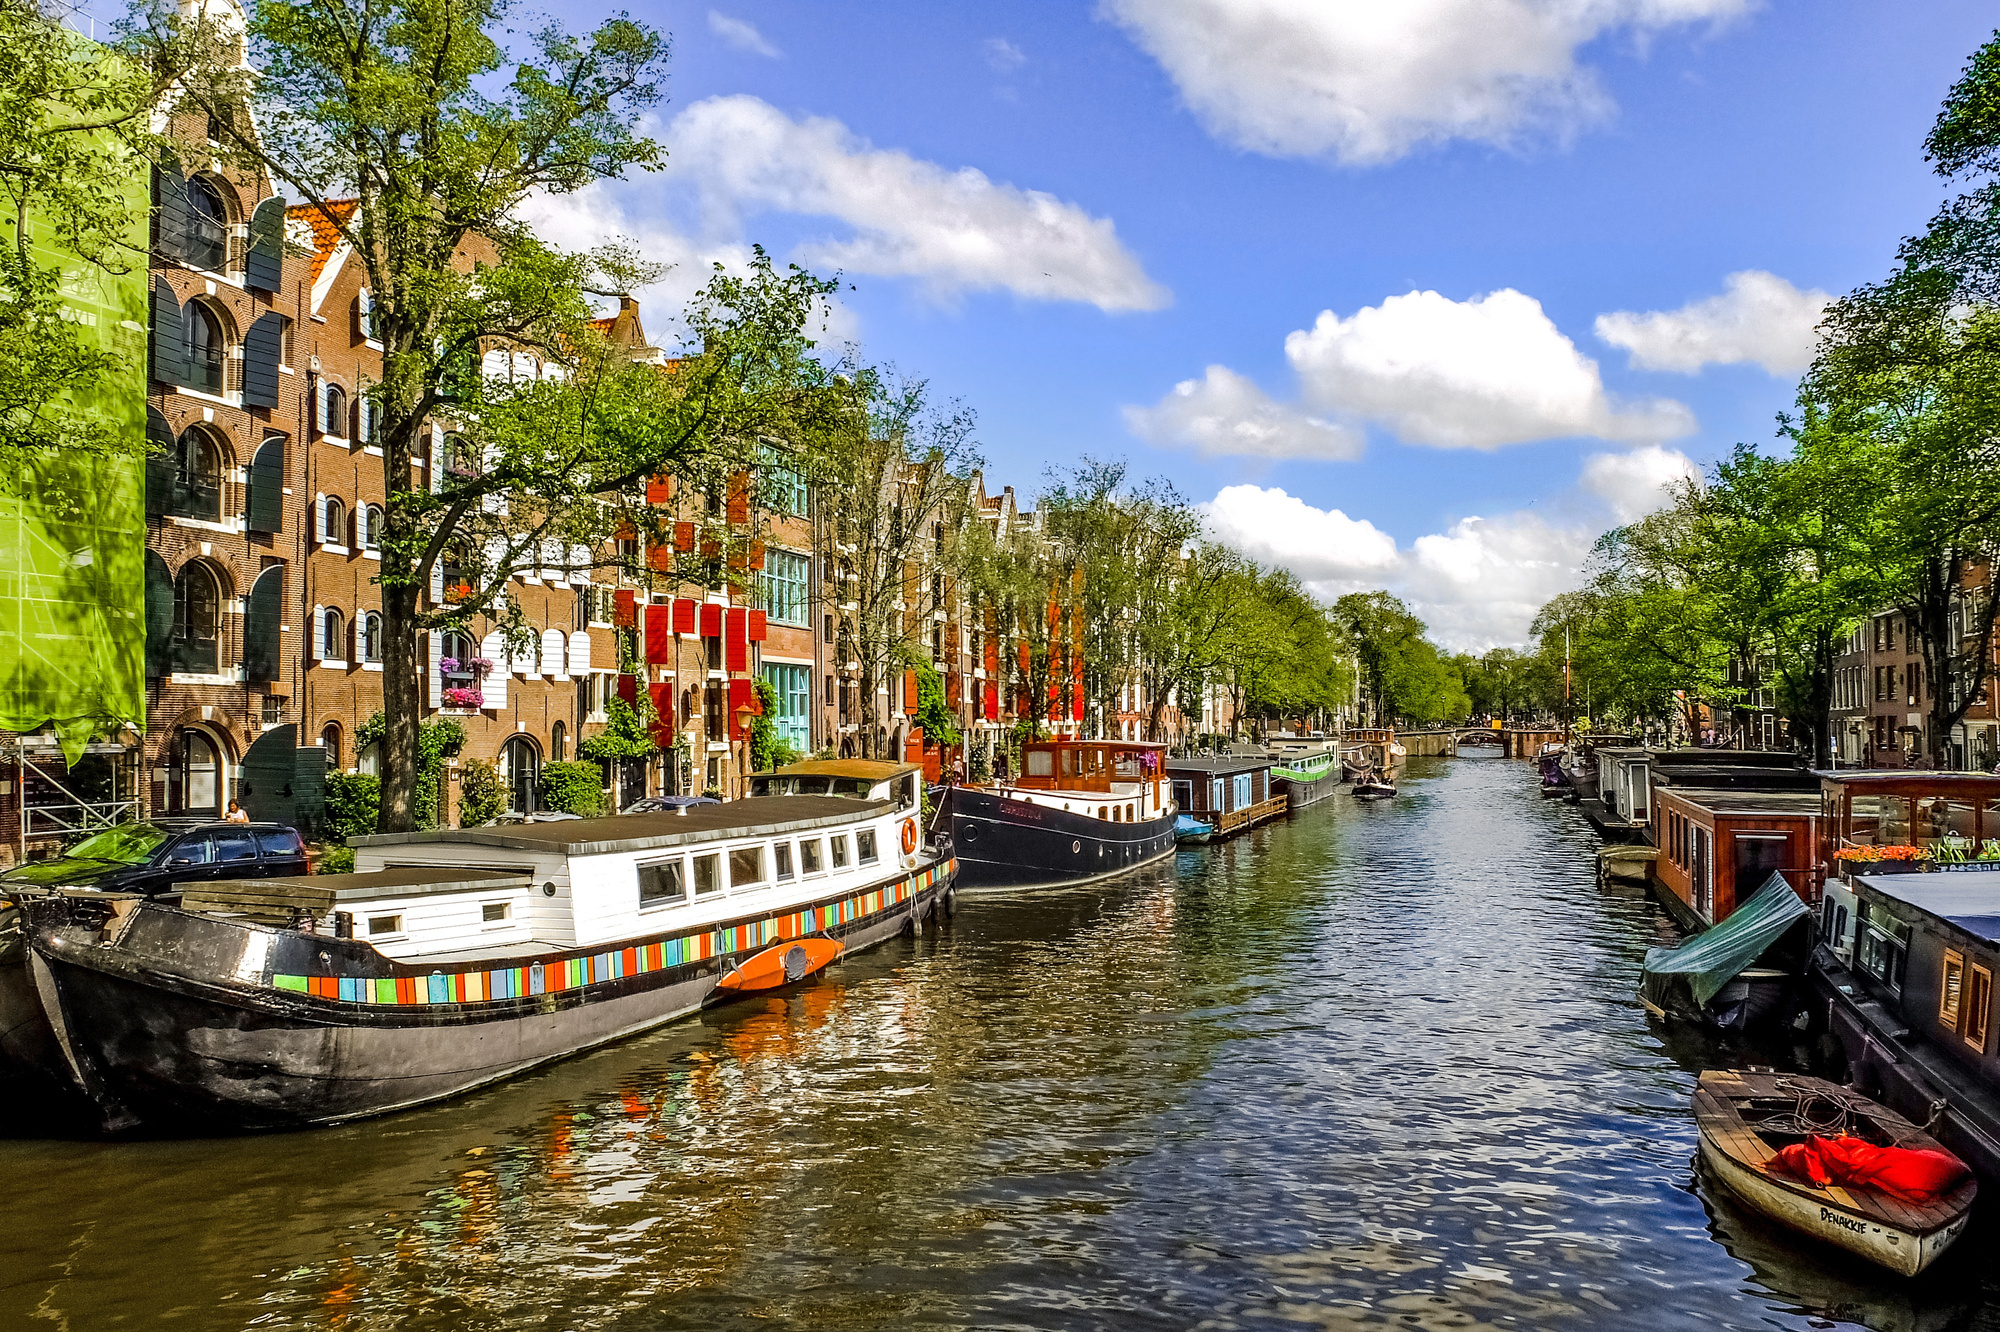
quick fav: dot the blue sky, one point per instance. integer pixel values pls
(1435, 200)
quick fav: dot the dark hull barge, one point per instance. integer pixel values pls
(1078, 810)
(211, 1021)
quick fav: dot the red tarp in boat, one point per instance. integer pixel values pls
(1914, 1175)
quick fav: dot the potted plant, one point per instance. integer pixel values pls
(1892, 859)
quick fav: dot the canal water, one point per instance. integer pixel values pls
(1377, 1066)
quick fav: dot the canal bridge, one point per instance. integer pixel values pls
(1515, 742)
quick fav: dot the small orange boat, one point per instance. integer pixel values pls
(780, 964)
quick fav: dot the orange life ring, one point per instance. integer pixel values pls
(909, 837)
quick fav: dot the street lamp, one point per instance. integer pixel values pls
(743, 716)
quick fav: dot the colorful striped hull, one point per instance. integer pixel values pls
(554, 975)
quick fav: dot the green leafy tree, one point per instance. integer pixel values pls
(352, 802)
(1403, 674)
(482, 796)
(572, 788)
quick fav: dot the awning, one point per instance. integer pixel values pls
(1713, 957)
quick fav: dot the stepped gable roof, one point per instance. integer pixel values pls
(326, 238)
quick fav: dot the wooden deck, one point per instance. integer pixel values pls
(1718, 1102)
(1249, 816)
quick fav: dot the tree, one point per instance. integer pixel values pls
(439, 133)
(893, 474)
(1402, 673)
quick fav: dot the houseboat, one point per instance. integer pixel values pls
(1719, 845)
(454, 959)
(1369, 748)
(1078, 810)
(1231, 793)
(1304, 770)
(1617, 804)
(1903, 974)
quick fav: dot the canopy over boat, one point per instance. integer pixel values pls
(1712, 958)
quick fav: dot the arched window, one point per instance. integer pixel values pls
(329, 740)
(371, 637)
(333, 635)
(202, 333)
(333, 410)
(197, 619)
(194, 774)
(558, 743)
(208, 227)
(521, 768)
(369, 528)
(333, 522)
(198, 478)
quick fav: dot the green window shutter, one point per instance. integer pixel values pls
(262, 650)
(265, 509)
(263, 266)
(261, 345)
(171, 214)
(160, 459)
(159, 617)
(166, 340)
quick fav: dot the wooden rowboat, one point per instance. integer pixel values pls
(1746, 1118)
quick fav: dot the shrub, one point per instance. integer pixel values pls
(336, 860)
(481, 797)
(573, 788)
(353, 802)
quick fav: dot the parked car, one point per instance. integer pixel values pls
(539, 816)
(666, 804)
(152, 859)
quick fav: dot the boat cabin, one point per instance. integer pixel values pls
(1898, 813)
(1125, 774)
(1229, 793)
(1625, 784)
(583, 882)
(862, 779)
(1927, 947)
(1719, 846)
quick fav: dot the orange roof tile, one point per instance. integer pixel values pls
(326, 238)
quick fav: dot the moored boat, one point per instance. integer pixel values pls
(1305, 771)
(1738, 973)
(1188, 829)
(1078, 810)
(1833, 1165)
(455, 959)
(1231, 793)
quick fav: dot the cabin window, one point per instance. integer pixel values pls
(864, 843)
(1129, 817)
(1833, 924)
(491, 913)
(839, 851)
(809, 861)
(1069, 763)
(1103, 812)
(707, 874)
(746, 866)
(1978, 1006)
(385, 925)
(1951, 822)
(1040, 763)
(1951, 989)
(782, 854)
(1882, 946)
(906, 791)
(661, 882)
(1877, 820)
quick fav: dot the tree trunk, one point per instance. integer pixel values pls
(401, 666)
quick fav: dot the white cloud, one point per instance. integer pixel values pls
(1476, 374)
(1634, 483)
(1758, 317)
(1364, 81)
(1478, 583)
(1003, 55)
(741, 34)
(953, 231)
(1224, 413)
(1323, 546)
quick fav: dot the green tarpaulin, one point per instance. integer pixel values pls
(1712, 958)
(73, 529)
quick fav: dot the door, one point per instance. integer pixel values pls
(1753, 857)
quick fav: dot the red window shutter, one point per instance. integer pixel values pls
(992, 656)
(660, 558)
(739, 497)
(909, 691)
(683, 536)
(626, 614)
(628, 690)
(736, 654)
(757, 626)
(742, 694)
(684, 616)
(1024, 658)
(659, 635)
(711, 620)
(663, 714)
(992, 702)
(1076, 703)
(756, 554)
(659, 489)
(952, 693)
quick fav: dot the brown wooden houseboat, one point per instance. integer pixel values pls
(1230, 793)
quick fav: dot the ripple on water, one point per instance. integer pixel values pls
(1379, 1066)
